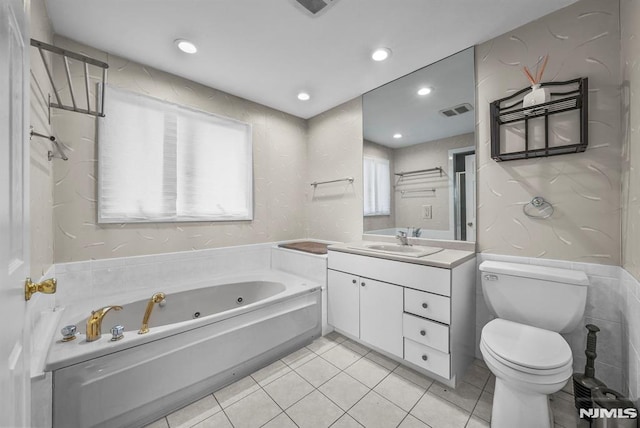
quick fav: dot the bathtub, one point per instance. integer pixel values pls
(199, 340)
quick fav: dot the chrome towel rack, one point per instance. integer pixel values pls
(420, 171)
(50, 154)
(538, 208)
(403, 192)
(86, 62)
(317, 183)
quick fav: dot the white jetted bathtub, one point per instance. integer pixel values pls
(199, 340)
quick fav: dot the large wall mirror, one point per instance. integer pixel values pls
(419, 163)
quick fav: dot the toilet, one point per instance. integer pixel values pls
(523, 347)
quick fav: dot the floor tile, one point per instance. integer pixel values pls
(346, 421)
(160, 423)
(477, 423)
(412, 422)
(317, 371)
(322, 345)
(341, 357)
(219, 420)
(280, 421)
(270, 373)
(476, 376)
(367, 372)
(375, 411)
(483, 408)
(564, 413)
(335, 336)
(439, 413)
(413, 376)
(194, 412)
(252, 411)
(354, 346)
(344, 390)
(381, 360)
(400, 391)
(288, 389)
(491, 384)
(465, 395)
(314, 411)
(236, 391)
(299, 357)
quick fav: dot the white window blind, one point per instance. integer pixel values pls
(377, 188)
(161, 162)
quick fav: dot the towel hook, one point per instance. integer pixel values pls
(544, 208)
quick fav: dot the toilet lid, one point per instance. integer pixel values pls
(526, 346)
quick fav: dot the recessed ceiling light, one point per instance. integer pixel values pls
(381, 54)
(397, 136)
(186, 46)
(303, 96)
(424, 91)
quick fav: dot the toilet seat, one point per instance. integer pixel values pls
(525, 348)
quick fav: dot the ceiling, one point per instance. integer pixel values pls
(397, 108)
(269, 50)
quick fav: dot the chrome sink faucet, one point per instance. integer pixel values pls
(402, 237)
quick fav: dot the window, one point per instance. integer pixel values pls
(162, 162)
(377, 189)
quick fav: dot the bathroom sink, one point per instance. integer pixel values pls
(403, 250)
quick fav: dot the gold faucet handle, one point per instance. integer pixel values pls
(48, 286)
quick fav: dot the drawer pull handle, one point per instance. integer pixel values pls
(424, 358)
(425, 306)
(354, 281)
(423, 333)
(362, 283)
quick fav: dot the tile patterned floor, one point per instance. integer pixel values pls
(335, 382)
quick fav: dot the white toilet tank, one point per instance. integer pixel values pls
(549, 298)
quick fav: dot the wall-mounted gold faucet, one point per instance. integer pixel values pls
(156, 298)
(94, 322)
(48, 286)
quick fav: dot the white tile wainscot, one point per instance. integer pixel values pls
(419, 315)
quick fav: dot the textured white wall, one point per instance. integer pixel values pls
(630, 64)
(334, 211)
(280, 159)
(582, 40)
(41, 173)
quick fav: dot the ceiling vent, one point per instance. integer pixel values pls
(457, 110)
(316, 6)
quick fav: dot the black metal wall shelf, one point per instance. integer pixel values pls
(571, 95)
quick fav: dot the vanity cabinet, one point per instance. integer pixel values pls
(422, 315)
(367, 309)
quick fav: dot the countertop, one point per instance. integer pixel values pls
(446, 258)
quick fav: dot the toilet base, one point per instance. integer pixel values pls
(515, 408)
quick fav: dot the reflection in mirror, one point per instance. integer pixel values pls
(419, 153)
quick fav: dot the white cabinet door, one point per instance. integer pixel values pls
(381, 315)
(343, 305)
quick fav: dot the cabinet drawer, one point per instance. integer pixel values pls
(421, 277)
(428, 358)
(427, 305)
(426, 332)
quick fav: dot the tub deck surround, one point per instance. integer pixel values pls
(63, 354)
(448, 258)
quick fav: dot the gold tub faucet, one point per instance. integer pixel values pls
(94, 322)
(156, 298)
